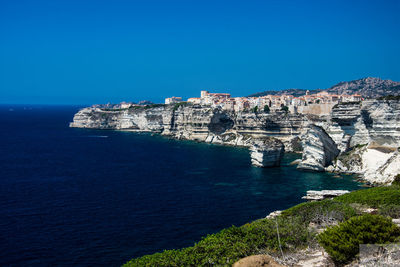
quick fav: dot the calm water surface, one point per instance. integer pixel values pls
(83, 197)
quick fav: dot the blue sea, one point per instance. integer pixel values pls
(79, 197)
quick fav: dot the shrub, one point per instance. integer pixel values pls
(135, 107)
(374, 197)
(360, 145)
(325, 211)
(180, 104)
(396, 180)
(390, 210)
(342, 241)
(231, 244)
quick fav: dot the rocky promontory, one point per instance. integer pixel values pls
(265, 133)
(325, 141)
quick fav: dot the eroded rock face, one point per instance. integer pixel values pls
(220, 122)
(144, 120)
(382, 119)
(373, 162)
(200, 123)
(318, 150)
(267, 152)
(360, 123)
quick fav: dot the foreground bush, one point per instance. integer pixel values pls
(342, 241)
(396, 180)
(229, 245)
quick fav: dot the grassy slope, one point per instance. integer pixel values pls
(260, 236)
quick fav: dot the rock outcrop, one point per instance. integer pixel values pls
(144, 120)
(318, 150)
(266, 152)
(257, 261)
(355, 124)
(373, 162)
(324, 194)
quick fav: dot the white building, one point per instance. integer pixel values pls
(173, 100)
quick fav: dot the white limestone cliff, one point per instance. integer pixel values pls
(349, 125)
(374, 163)
(266, 152)
(318, 150)
(354, 124)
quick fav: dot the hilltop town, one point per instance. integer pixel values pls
(294, 101)
(320, 103)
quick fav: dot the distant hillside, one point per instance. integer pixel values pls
(294, 92)
(367, 87)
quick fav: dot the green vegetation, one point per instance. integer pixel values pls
(266, 109)
(181, 104)
(324, 211)
(342, 241)
(359, 146)
(255, 109)
(135, 107)
(389, 97)
(396, 180)
(391, 210)
(260, 236)
(285, 109)
(153, 106)
(231, 244)
(374, 197)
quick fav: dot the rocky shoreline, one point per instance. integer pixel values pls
(360, 138)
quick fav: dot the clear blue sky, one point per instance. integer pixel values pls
(86, 52)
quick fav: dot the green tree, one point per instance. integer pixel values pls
(285, 109)
(255, 109)
(342, 241)
(266, 109)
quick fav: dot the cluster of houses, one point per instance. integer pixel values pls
(319, 103)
